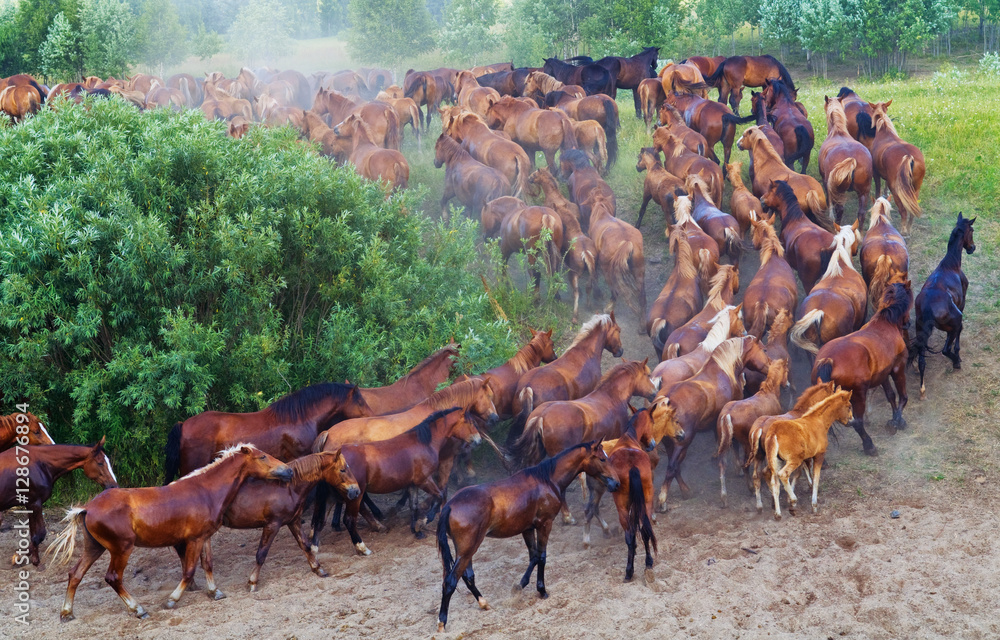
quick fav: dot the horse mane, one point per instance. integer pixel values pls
(782, 89)
(719, 331)
(603, 320)
(423, 430)
(307, 468)
(841, 255)
(543, 470)
(575, 157)
(773, 381)
(787, 195)
(452, 148)
(426, 362)
(695, 184)
(520, 359)
(365, 132)
(456, 394)
(224, 455)
(674, 113)
(545, 82)
(684, 262)
(836, 118)
(846, 91)
(782, 323)
(653, 153)
(682, 211)
(769, 244)
(819, 406)
(620, 369)
(295, 405)
(882, 120)
(764, 143)
(719, 281)
(728, 356)
(879, 211)
(895, 305)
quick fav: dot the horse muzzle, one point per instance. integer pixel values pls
(652, 444)
(971, 250)
(492, 420)
(111, 485)
(283, 473)
(618, 353)
(679, 436)
(353, 492)
(475, 439)
(612, 483)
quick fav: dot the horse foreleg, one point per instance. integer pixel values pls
(574, 281)
(448, 586)
(543, 542)
(296, 528)
(593, 505)
(351, 522)
(899, 380)
(646, 197)
(722, 480)
(92, 550)
(469, 578)
(36, 528)
(783, 476)
(267, 536)
(637, 102)
(531, 542)
(817, 467)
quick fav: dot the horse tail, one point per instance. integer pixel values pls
(601, 150)
(924, 326)
(824, 369)
(840, 174)
(620, 272)
(552, 254)
(724, 431)
(611, 128)
(569, 136)
(754, 440)
(865, 127)
(64, 544)
(530, 448)
(817, 213)
(521, 173)
(715, 79)
(803, 145)
(182, 85)
(590, 262)
(444, 530)
(172, 454)
(527, 400)
(654, 332)
(415, 118)
(797, 333)
(672, 351)
(783, 73)
(734, 245)
(705, 264)
(638, 517)
(392, 130)
(880, 277)
(907, 192)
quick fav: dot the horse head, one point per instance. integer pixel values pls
(97, 466)
(968, 242)
(263, 466)
(754, 356)
(665, 424)
(543, 343)
(613, 337)
(338, 474)
(596, 464)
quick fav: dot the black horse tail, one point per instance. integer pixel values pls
(444, 529)
(529, 449)
(803, 145)
(172, 454)
(783, 72)
(824, 369)
(865, 127)
(638, 518)
(715, 79)
(925, 326)
(41, 93)
(578, 60)
(319, 511)
(611, 128)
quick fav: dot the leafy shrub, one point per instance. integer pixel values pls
(153, 268)
(989, 64)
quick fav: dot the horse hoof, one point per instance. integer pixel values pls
(649, 576)
(362, 549)
(543, 595)
(871, 451)
(66, 617)
(169, 604)
(777, 516)
(440, 627)
(140, 613)
(419, 535)
(956, 365)
(253, 586)
(321, 572)
(483, 604)
(586, 543)
(218, 595)
(628, 578)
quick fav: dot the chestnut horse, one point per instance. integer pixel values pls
(414, 387)
(681, 296)
(836, 304)
(704, 249)
(387, 166)
(484, 145)
(270, 506)
(743, 205)
(683, 78)
(503, 379)
(800, 439)
(899, 163)
(651, 97)
(746, 71)
(599, 108)
(286, 429)
(737, 417)
(706, 65)
(521, 228)
(685, 338)
(579, 252)
(406, 112)
(808, 247)
(699, 399)
(592, 140)
(44, 465)
(685, 366)
(844, 163)
(472, 96)
(534, 129)
(183, 514)
(406, 462)
(869, 357)
(538, 84)
(23, 429)
(775, 347)
(525, 503)
(672, 121)
(471, 181)
(859, 116)
(711, 119)
(582, 182)
(660, 185)
(572, 375)
(941, 301)
(768, 168)
(619, 256)
(883, 253)
(790, 123)
(773, 287)
(722, 227)
(680, 161)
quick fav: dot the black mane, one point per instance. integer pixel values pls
(787, 195)
(576, 158)
(846, 91)
(543, 470)
(780, 87)
(296, 405)
(423, 430)
(898, 307)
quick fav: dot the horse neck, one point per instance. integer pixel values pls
(769, 247)
(953, 257)
(433, 371)
(60, 459)
(222, 481)
(527, 357)
(836, 126)
(590, 346)
(763, 151)
(451, 396)
(618, 386)
(306, 470)
(362, 136)
(568, 467)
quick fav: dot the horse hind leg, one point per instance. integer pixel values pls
(530, 541)
(92, 550)
(115, 578)
(189, 552)
(266, 539)
(206, 565)
(469, 578)
(295, 526)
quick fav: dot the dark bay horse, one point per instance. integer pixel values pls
(808, 247)
(941, 301)
(286, 429)
(45, 465)
(26, 430)
(859, 116)
(183, 514)
(507, 83)
(594, 78)
(790, 123)
(270, 505)
(871, 357)
(525, 503)
(746, 71)
(630, 71)
(414, 387)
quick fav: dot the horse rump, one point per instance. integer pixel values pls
(638, 520)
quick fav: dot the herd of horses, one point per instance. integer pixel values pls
(724, 364)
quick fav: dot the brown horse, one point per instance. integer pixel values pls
(471, 181)
(844, 163)
(808, 247)
(684, 78)
(271, 505)
(685, 366)
(472, 96)
(899, 163)
(711, 119)
(883, 253)
(579, 252)
(572, 375)
(746, 71)
(45, 464)
(871, 356)
(686, 337)
(743, 205)
(706, 65)
(630, 71)
(773, 288)
(19, 101)
(836, 304)
(737, 417)
(859, 116)
(484, 145)
(599, 108)
(699, 399)
(941, 301)
(182, 515)
(619, 256)
(678, 160)
(503, 379)
(775, 347)
(525, 503)
(387, 166)
(286, 429)
(189, 88)
(672, 121)
(660, 185)
(521, 228)
(720, 226)
(534, 129)
(592, 140)
(651, 97)
(801, 439)
(414, 387)
(769, 168)
(758, 108)
(406, 462)
(538, 84)
(423, 89)
(406, 112)
(583, 181)
(681, 297)
(238, 127)
(790, 123)
(22, 429)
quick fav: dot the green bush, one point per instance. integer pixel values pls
(153, 268)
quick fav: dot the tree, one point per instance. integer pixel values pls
(33, 19)
(62, 52)
(822, 29)
(620, 27)
(108, 29)
(161, 35)
(467, 36)
(383, 31)
(779, 22)
(260, 33)
(206, 44)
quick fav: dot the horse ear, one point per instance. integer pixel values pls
(632, 409)
(959, 218)
(245, 450)
(857, 223)
(972, 220)
(888, 104)
(826, 99)
(612, 315)
(646, 360)
(549, 332)
(533, 332)
(100, 445)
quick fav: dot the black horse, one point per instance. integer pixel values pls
(592, 77)
(631, 71)
(941, 301)
(507, 83)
